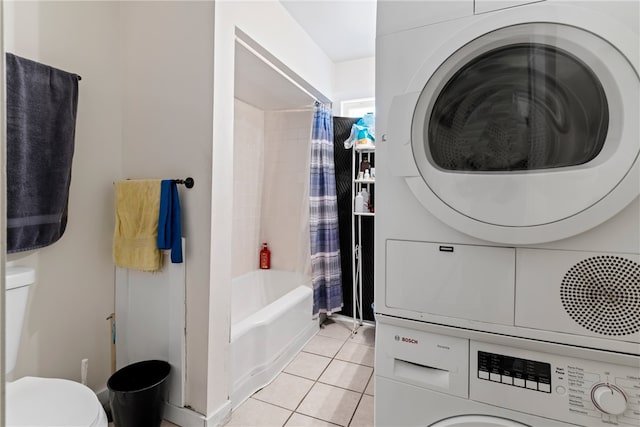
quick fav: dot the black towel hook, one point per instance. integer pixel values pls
(188, 182)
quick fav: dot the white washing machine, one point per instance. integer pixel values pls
(429, 375)
(507, 172)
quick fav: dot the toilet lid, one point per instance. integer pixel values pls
(52, 402)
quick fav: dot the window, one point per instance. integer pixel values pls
(357, 107)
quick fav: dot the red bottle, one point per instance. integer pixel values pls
(265, 257)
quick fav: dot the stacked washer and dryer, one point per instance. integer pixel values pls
(508, 219)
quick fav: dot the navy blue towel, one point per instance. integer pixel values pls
(169, 231)
(41, 117)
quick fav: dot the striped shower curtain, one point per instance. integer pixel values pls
(325, 245)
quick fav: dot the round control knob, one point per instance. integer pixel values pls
(609, 399)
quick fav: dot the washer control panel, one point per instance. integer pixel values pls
(514, 371)
(579, 391)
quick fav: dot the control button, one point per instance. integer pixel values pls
(483, 375)
(544, 387)
(609, 399)
(507, 380)
(561, 390)
(494, 377)
(532, 385)
(518, 382)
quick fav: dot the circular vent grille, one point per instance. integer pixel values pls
(602, 294)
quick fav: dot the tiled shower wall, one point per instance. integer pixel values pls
(270, 189)
(285, 199)
(248, 166)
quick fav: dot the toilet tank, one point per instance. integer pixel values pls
(18, 280)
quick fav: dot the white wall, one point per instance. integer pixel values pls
(353, 80)
(167, 56)
(74, 291)
(145, 110)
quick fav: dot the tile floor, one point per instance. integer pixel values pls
(329, 383)
(165, 423)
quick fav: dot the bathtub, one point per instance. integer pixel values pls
(270, 323)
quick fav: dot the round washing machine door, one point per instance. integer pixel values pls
(529, 133)
(477, 421)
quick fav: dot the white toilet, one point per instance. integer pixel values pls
(32, 401)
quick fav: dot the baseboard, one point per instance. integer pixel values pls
(220, 416)
(183, 417)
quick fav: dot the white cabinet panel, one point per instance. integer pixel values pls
(150, 319)
(461, 281)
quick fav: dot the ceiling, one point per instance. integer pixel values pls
(344, 29)
(259, 84)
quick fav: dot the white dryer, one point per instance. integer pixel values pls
(508, 168)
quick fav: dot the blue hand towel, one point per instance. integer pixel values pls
(169, 231)
(41, 116)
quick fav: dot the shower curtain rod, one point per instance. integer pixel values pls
(295, 110)
(317, 103)
(278, 70)
(302, 109)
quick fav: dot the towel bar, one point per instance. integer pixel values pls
(188, 182)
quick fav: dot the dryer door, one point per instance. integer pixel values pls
(528, 134)
(477, 421)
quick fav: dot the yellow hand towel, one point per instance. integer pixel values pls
(136, 233)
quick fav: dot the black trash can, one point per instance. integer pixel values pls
(137, 393)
